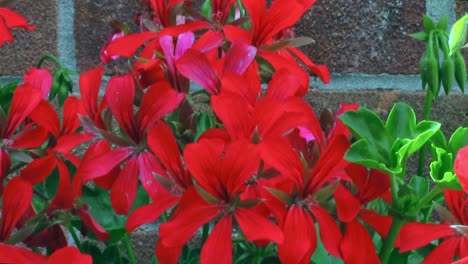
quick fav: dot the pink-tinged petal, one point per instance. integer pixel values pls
(238, 58)
(127, 46)
(17, 198)
(203, 160)
(461, 167)
(63, 198)
(30, 138)
(25, 99)
(94, 226)
(347, 206)
(69, 255)
(149, 213)
(218, 247)
(13, 19)
(12, 254)
(235, 33)
(365, 253)
(241, 161)
(256, 227)
(90, 83)
(167, 45)
(195, 66)
(415, 235)
(320, 70)
(5, 34)
(193, 212)
(300, 238)
(102, 164)
(120, 93)
(160, 99)
(443, 253)
(208, 41)
(163, 144)
(125, 187)
(167, 255)
(233, 111)
(330, 233)
(184, 42)
(380, 223)
(44, 115)
(39, 169)
(40, 79)
(148, 165)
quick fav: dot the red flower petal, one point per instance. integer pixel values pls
(120, 93)
(461, 167)
(218, 247)
(71, 109)
(320, 70)
(5, 34)
(149, 213)
(39, 169)
(415, 235)
(63, 198)
(90, 83)
(13, 19)
(347, 206)
(160, 99)
(256, 227)
(300, 238)
(25, 99)
(69, 255)
(12, 254)
(330, 234)
(125, 187)
(17, 197)
(94, 226)
(30, 138)
(167, 255)
(380, 223)
(44, 115)
(365, 253)
(127, 46)
(193, 212)
(443, 253)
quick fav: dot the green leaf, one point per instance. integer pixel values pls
(204, 123)
(111, 255)
(280, 195)
(420, 36)
(458, 140)
(420, 185)
(428, 24)
(457, 35)
(101, 210)
(441, 170)
(443, 23)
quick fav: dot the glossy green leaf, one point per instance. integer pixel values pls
(457, 35)
(386, 147)
(441, 170)
(458, 140)
(204, 123)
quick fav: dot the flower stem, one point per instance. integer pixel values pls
(427, 199)
(129, 248)
(75, 237)
(426, 115)
(389, 241)
(51, 58)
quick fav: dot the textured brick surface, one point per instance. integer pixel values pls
(29, 46)
(92, 28)
(364, 36)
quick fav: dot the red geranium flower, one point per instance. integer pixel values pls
(8, 20)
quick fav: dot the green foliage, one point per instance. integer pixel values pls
(386, 147)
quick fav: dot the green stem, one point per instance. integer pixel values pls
(426, 115)
(129, 248)
(205, 232)
(427, 199)
(51, 58)
(389, 241)
(75, 237)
